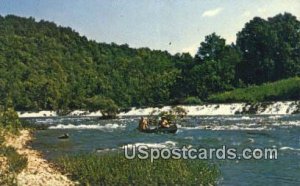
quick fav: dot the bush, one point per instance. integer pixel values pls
(108, 169)
(107, 106)
(9, 120)
(192, 101)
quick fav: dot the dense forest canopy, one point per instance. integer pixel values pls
(45, 66)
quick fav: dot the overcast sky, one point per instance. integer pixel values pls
(172, 25)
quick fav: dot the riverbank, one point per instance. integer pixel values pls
(263, 108)
(38, 171)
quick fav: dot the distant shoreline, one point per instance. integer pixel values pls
(263, 108)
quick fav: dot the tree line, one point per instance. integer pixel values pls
(45, 66)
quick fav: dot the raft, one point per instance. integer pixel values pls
(171, 129)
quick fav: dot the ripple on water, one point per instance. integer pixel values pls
(98, 126)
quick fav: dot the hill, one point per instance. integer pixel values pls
(44, 66)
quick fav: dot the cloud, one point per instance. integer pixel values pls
(262, 10)
(191, 49)
(212, 12)
(246, 14)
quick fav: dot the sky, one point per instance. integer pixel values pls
(172, 25)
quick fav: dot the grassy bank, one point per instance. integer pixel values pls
(11, 162)
(114, 169)
(288, 89)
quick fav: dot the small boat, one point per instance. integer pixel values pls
(64, 136)
(171, 129)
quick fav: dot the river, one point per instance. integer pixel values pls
(281, 132)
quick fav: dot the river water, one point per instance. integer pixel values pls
(251, 131)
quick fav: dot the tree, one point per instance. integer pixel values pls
(182, 88)
(107, 106)
(270, 49)
(211, 49)
(215, 66)
(45, 66)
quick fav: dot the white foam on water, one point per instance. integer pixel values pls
(189, 137)
(192, 128)
(71, 126)
(245, 118)
(106, 150)
(77, 113)
(166, 144)
(37, 114)
(231, 118)
(279, 108)
(251, 140)
(289, 148)
(94, 114)
(172, 143)
(275, 117)
(214, 109)
(46, 121)
(276, 108)
(238, 126)
(144, 111)
(287, 123)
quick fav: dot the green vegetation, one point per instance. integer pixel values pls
(288, 89)
(107, 106)
(270, 49)
(192, 101)
(44, 66)
(48, 67)
(107, 169)
(9, 119)
(14, 162)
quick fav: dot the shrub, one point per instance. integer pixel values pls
(192, 101)
(9, 120)
(107, 106)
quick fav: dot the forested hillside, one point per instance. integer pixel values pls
(45, 66)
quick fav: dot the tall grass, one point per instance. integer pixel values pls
(288, 89)
(15, 163)
(114, 169)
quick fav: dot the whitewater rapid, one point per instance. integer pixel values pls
(274, 108)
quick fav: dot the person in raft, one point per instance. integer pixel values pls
(164, 123)
(143, 125)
